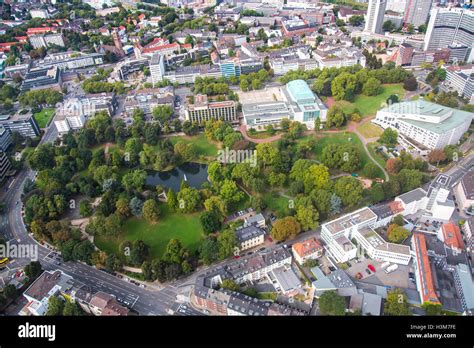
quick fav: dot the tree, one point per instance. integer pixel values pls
(134, 180)
(71, 309)
(335, 117)
(85, 208)
(151, 211)
(287, 227)
(336, 204)
(388, 26)
(410, 84)
(209, 250)
(230, 192)
(372, 87)
(343, 86)
(396, 233)
(330, 303)
(227, 241)
(432, 309)
(317, 177)
(172, 200)
(210, 221)
(122, 207)
(185, 152)
(307, 216)
(349, 189)
(55, 306)
(371, 170)
(410, 179)
(397, 303)
(136, 206)
(138, 252)
(189, 199)
(398, 220)
(394, 165)
(436, 156)
(33, 270)
(389, 137)
(231, 285)
(175, 252)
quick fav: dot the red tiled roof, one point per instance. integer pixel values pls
(452, 236)
(306, 247)
(424, 270)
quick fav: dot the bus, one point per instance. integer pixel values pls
(3, 262)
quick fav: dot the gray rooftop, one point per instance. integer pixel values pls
(413, 195)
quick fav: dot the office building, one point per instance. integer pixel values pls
(468, 229)
(464, 191)
(374, 17)
(358, 226)
(147, 99)
(229, 68)
(460, 78)
(5, 139)
(25, 124)
(70, 60)
(45, 40)
(450, 26)
(405, 54)
(5, 165)
(305, 107)
(157, 68)
(465, 287)
(417, 12)
(42, 78)
(424, 125)
(260, 115)
(202, 110)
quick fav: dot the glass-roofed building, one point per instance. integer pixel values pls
(304, 105)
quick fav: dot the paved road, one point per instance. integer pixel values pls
(145, 301)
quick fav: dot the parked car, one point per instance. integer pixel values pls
(372, 268)
(359, 275)
(367, 271)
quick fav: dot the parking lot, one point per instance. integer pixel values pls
(397, 278)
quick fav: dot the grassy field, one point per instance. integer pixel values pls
(185, 227)
(203, 146)
(368, 106)
(378, 157)
(370, 130)
(43, 117)
(323, 140)
(277, 204)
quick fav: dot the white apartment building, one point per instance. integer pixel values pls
(464, 191)
(435, 203)
(38, 41)
(461, 79)
(450, 26)
(374, 17)
(203, 110)
(249, 237)
(39, 13)
(157, 68)
(358, 226)
(424, 125)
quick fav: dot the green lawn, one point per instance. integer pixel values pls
(43, 117)
(370, 130)
(277, 204)
(185, 227)
(325, 139)
(368, 106)
(203, 146)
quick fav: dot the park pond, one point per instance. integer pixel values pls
(195, 174)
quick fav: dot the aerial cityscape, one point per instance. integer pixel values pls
(236, 157)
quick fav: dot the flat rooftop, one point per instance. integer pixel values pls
(347, 221)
